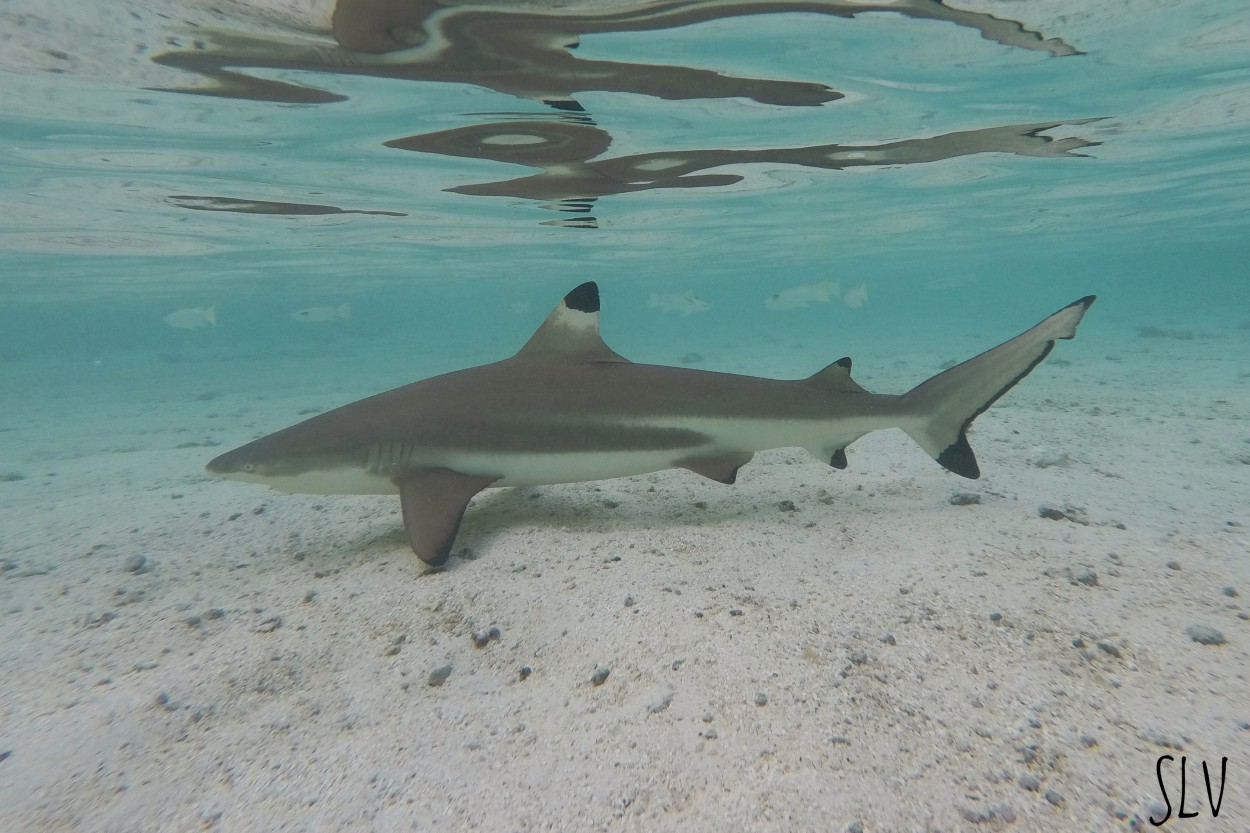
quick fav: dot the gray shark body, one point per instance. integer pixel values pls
(566, 408)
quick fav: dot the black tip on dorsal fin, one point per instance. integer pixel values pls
(845, 361)
(584, 298)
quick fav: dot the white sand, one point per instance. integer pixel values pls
(769, 670)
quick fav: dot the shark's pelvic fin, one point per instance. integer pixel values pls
(940, 410)
(433, 502)
(722, 468)
(571, 331)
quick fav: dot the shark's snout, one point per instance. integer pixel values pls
(232, 465)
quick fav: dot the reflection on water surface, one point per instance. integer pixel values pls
(530, 52)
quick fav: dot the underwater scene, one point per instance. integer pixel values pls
(624, 415)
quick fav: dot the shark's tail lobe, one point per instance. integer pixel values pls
(938, 412)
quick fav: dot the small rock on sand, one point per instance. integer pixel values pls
(439, 676)
(1205, 635)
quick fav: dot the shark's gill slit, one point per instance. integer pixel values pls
(567, 408)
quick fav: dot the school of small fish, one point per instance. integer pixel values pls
(684, 303)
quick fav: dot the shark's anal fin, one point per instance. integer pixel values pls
(722, 468)
(433, 502)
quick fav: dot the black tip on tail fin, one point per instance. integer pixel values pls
(959, 459)
(1084, 304)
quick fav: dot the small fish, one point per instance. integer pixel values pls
(800, 296)
(953, 281)
(685, 304)
(193, 318)
(317, 314)
(857, 297)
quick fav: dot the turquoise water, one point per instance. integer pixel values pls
(97, 247)
(447, 174)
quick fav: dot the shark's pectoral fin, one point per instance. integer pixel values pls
(722, 468)
(433, 502)
(838, 459)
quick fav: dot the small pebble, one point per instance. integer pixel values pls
(787, 506)
(524, 673)
(483, 638)
(660, 703)
(1173, 565)
(1086, 577)
(269, 625)
(855, 827)
(964, 499)
(1205, 635)
(137, 564)
(439, 676)
(761, 699)
(600, 676)
(996, 616)
(1158, 811)
(1030, 782)
(1054, 797)
(1231, 592)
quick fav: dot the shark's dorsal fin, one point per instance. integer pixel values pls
(571, 331)
(835, 378)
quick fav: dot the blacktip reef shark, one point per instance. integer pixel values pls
(567, 408)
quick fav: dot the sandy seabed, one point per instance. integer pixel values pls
(807, 650)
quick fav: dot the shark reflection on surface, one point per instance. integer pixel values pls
(527, 51)
(565, 152)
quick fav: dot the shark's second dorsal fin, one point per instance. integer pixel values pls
(835, 378)
(571, 331)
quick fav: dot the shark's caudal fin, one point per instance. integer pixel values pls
(939, 411)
